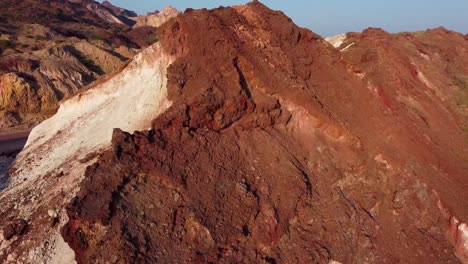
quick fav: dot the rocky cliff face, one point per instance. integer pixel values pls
(266, 144)
(55, 48)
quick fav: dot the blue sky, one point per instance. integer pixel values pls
(331, 17)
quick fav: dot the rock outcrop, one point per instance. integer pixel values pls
(18, 95)
(255, 142)
(156, 19)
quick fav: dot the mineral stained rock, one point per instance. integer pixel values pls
(279, 148)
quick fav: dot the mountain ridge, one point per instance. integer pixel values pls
(273, 146)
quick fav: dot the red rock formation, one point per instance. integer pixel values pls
(279, 148)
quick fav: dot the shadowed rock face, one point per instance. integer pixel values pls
(279, 148)
(119, 12)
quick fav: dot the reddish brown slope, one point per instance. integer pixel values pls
(422, 78)
(436, 58)
(276, 150)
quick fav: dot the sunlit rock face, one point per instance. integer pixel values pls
(156, 19)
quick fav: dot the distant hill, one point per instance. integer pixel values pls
(51, 49)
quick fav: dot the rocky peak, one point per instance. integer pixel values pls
(156, 18)
(119, 11)
(337, 41)
(442, 30)
(375, 33)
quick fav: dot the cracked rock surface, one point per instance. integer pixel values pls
(278, 149)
